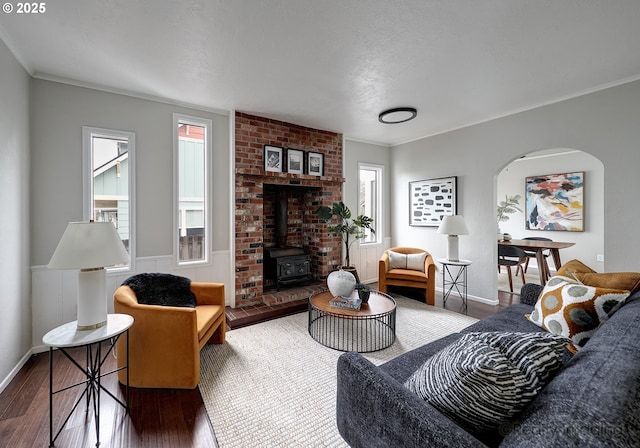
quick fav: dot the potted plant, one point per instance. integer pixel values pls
(363, 292)
(505, 208)
(349, 229)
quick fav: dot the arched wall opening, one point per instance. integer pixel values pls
(589, 244)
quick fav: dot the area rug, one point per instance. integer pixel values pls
(272, 385)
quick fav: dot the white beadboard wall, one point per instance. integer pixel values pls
(54, 292)
(365, 259)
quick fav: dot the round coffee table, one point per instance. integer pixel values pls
(371, 328)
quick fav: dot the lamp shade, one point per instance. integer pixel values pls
(453, 225)
(89, 245)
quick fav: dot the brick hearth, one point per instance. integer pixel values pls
(254, 214)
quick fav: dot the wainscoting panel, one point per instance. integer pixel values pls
(365, 258)
(54, 292)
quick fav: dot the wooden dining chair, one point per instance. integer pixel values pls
(509, 256)
(533, 254)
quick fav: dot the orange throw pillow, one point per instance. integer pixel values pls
(577, 270)
(573, 267)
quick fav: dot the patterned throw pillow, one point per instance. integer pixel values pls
(484, 379)
(569, 308)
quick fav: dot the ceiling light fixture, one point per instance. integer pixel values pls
(397, 115)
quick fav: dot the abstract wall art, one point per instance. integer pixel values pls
(555, 202)
(430, 200)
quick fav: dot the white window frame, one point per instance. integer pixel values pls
(377, 220)
(208, 128)
(88, 133)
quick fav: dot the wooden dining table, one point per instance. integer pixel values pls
(539, 246)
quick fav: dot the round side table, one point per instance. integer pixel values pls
(68, 336)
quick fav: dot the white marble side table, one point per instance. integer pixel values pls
(68, 336)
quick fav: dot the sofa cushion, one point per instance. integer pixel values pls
(484, 379)
(413, 262)
(569, 308)
(162, 289)
(509, 319)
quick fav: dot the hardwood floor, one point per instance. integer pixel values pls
(158, 418)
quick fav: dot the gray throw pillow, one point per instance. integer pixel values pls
(484, 379)
(414, 262)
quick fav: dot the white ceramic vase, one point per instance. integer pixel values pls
(341, 283)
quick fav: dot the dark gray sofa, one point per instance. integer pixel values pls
(594, 401)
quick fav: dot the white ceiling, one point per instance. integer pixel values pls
(336, 64)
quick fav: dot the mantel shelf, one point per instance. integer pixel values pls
(287, 176)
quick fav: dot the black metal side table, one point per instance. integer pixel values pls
(68, 336)
(453, 278)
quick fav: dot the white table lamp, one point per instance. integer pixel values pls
(90, 247)
(453, 225)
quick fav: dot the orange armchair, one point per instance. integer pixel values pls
(390, 273)
(165, 341)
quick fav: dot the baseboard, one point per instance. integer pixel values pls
(15, 371)
(492, 302)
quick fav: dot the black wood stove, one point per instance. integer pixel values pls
(287, 265)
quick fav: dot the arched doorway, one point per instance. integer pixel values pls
(589, 244)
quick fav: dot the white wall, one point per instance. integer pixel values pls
(15, 277)
(589, 243)
(366, 257)
(58, 113)
(604, 124)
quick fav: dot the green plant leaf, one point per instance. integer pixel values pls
(324, 213)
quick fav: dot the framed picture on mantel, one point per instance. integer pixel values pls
(315, 163)
(273, 158)
(295, 161)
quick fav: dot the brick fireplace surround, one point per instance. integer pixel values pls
(255, 204)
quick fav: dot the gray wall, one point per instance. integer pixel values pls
(605, 124)
(15, 273)
(60, 111)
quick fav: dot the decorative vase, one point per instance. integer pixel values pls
(341, 283)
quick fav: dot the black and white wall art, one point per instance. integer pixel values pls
(430, 200)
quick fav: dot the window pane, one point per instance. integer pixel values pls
(192, 181)
(109, 199)
(369, 201)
